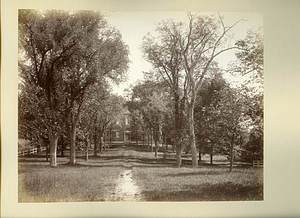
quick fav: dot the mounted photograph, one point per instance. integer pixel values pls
(118, 106)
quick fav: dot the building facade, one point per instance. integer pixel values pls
(120, 131)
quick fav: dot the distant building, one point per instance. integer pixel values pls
(120, 132)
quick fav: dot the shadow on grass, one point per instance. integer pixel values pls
(83, 165)
(217, 164)
(209, 192)
(198, 173)
(130, 154)
(32, 160)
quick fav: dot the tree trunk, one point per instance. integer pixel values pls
(192, 134)
(87, 148)
(73, 145)
(47, 153)
(178, 155)
(62, 146)
(151, 143)
(137, 138)
(177, 130)
(53, 148)
(165, 148)
(231, 157)
(110, 138)
(158, 135)
(104, 139)
(148, 142)
(211, 154)
(95, 142)
(166, 143)
(199, 159)
(231, 153)
(62, 150)
(101, 143)
(143, 139)
(156, 147)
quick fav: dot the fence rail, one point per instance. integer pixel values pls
(31, 151)
(258, 163)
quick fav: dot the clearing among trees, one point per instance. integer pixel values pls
(130, 173)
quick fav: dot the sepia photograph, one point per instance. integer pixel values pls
(187, 126)
(127, 108)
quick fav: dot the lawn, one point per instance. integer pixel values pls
(157, 178)
(67, 184)
(86, 181)
(201, 184)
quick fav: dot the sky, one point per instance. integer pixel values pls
(135, 25)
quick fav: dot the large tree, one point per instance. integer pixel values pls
(165, 55)
(155, 112)
(249, 63)
(105, 59)
(43, 46)
(64, 53)
(149, 100)
(32, 127)
(233, 120)
(91, 105)
(206, 114)
(188, 52)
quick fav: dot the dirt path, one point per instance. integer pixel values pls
(126, 188)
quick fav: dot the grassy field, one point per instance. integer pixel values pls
(67, 184)
(158, 178)
(86, 181)
(202, 184)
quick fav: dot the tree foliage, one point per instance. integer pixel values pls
(222, 119)
(150, 104)
(61, 54)
(207, 130)
(250, 63)
(101, 110)
(250, 54)
(184, 54)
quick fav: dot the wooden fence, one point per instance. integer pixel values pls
(31, 151)
(258, 163)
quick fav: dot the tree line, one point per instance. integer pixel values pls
(185, 97)
(68, 60)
